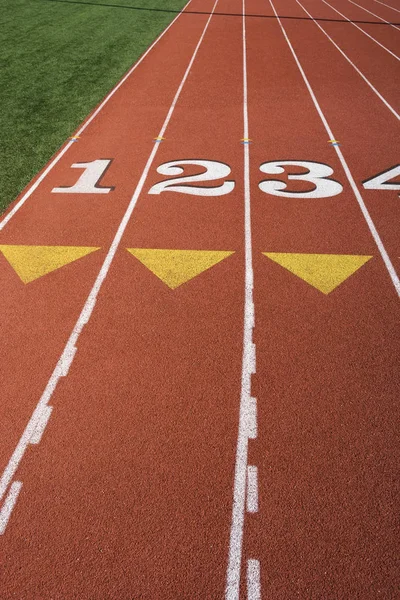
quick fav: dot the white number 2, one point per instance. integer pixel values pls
(88, 182)
(213, 170)
(317, 174)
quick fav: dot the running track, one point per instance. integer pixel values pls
(222, 424)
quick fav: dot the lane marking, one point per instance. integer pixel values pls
(253, 580)
(248, 365)
(61, 153)
(41, 425)
(375, 15)
(8, 506)
(70, 348)
(32, 262)
(362, 30)
(252, 418)
(175, 267)
(387, 5)
(252, 489)
(371, 225)
(385, 102)
(325, 272)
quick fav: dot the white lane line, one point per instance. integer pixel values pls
(387, 5)
(70, 348)
(374, 15)
(253, 580)
(246, 411)
(362, 30)
(382, 250)
(9, 503)
(252, 489)
(385, 102)
(58, 156)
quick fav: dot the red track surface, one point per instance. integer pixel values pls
(130, 492)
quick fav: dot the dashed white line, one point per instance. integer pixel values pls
(39, 180)
(246, 411)
(362, 30)
(382, 250)
(70, 349)
(385, 102)
(41, 425)
(252, 415)
(252, 489)
(253, 580)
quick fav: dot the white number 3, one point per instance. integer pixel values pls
(317, 174)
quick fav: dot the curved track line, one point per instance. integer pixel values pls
(61, 153)
(382, 250)
(387, 5)
(67, 356)
(375, 15)
(362, 30)
(248, 367)
(367, 81)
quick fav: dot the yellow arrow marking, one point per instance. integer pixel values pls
(32, 262)
(175, 267)
(323, 271)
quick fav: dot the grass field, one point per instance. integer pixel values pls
(58, 59)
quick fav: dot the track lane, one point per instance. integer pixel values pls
(357, 48)
(31, 350)
(369, 139)
(161, 390)
(325, 382)
(375, 16)
(380, 33)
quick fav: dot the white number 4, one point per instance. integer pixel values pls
(383, 180)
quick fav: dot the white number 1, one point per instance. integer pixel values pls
(88, 182)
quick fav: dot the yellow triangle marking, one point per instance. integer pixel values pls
(175, 267)
(32, 262)
(323, 271)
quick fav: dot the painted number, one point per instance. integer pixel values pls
(213, 170)
(317, 174)
(382, 181)
(88, 182)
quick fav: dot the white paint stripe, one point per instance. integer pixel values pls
(248, 367)
(39, 180)
(9, 503)
(382, 250)
(385, 102)
(252, 424)
(387, 5)
(65, 359)
(253, 580)
(41, 425)
(252, 489)
(362, 30)
(374, 15)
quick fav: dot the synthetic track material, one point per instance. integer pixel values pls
(132, 489)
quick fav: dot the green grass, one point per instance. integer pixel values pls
(57, 61)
